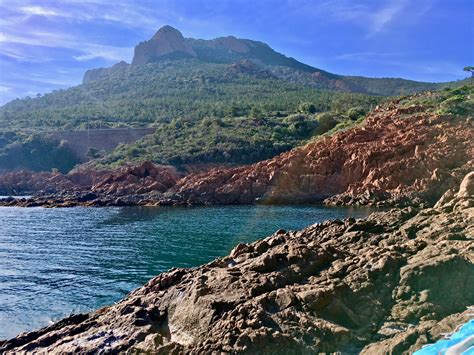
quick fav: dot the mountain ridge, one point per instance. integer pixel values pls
(168, 43)
(250, 99)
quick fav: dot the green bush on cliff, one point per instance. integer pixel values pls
(455, 101)
(230, 140)
(36, 153)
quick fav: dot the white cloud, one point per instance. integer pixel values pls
(381, 18)
(4, 89)
(106, 52)
(372, 16)
(368, 56)
(14, 55)
(37, 38)
(38, 11)
(127, 13)
(54, 40)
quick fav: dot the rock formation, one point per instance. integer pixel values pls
(400, 156)
(100, 73)
(86, 186)
(167, 42)
(386, 284)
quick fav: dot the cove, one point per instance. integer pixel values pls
(54, 262)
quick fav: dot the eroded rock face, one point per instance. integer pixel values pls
(389, 283)
(122, 186)
(399, 157)
(166, 42)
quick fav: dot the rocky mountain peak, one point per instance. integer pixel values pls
(168, 42)
(233, 44)
(168, 33)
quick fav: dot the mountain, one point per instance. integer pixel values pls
(169, 44)
(225, 100)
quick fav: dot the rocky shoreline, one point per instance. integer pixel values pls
(401, 156)
(389, 283)
(386, 284)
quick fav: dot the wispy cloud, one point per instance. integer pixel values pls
(125, 12)
(4, 89)
(374, 17)
(384, 16)
(93, 51)
(368, 56)
(85, 49)
(14, 55)
(38, 11)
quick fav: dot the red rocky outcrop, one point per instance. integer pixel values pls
(397, 157)
(137, 179)
(400, 156)
(87, 185)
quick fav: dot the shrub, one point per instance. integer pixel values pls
(355, 113)
(307, 107)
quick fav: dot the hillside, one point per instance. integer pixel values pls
(178, 97)
(158, 92)
(407, 152)
(225, 100)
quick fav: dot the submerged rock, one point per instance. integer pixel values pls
(386, 284)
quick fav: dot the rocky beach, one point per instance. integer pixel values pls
(386, 284)
(389, 283)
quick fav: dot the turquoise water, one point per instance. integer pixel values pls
(464, 335)
(54, 262)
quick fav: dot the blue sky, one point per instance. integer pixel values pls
(47, 45)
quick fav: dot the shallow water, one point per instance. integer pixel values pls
(460, 342)
(54, 262)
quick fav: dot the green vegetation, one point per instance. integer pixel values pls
(203, 112)
(470, 69)
(34, 153)
(450, 101)
(231, 140)
(156, 93)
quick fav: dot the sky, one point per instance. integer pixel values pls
(47, 45)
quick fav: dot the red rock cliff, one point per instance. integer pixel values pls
(400, 154)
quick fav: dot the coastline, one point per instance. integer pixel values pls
(401, 156)
(390, 281)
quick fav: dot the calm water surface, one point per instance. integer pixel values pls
(54, 262)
